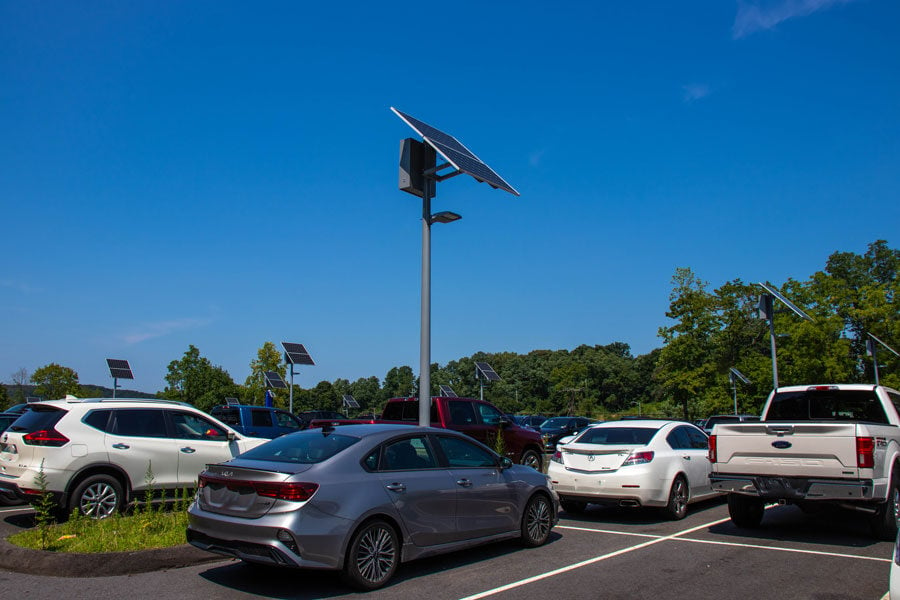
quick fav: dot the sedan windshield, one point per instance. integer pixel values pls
(555, 422)
(606, 436)
(301, 448)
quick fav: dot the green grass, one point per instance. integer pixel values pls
(142, 530)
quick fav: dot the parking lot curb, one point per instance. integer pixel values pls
(104, 564)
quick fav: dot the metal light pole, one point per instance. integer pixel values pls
(425, 317)
(767, 311)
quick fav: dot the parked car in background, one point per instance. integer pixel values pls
(308, 416)
(96, 454)
(472, 416)
(530, 421)
(635, 464)
(8, 497)
(364, 498)
(555, 428)
(716, 419)
(258, 421)
(7, 419)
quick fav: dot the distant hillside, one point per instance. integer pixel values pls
(17, 394)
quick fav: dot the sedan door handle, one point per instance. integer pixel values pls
(464, 483)
(396, 487)
(188, 450)
(686, 457)
(121, 446)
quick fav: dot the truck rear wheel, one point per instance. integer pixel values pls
(884, 521)
(745, 511)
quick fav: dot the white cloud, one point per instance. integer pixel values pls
(148, 331)
(18, 286)
(694, 91)
(759, 15)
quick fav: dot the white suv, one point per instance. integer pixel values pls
(96, 453)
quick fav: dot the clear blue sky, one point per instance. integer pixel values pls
(222, 174)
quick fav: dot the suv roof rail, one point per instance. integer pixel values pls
(131, 400)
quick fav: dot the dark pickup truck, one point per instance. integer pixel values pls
(258, 421)
(476, 418)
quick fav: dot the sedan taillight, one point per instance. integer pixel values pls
(638, 458)
(294, 491)
(557, 457)
(45, 437)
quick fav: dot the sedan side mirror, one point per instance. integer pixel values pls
(506, 463)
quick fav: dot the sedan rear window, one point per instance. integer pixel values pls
(638, 436)
(301, 448)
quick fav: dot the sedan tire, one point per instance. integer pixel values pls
(372, 557)
(537, 521)
(679, 493)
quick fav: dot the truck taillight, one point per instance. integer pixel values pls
(712, 448)
(865, 452)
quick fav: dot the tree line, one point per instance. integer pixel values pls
(710, 331)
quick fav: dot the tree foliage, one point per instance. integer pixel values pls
(54, 381)
(195, 380)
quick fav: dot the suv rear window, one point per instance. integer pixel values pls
(302, 448)
(827, 405)
(37, 418)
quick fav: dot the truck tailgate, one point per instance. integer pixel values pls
(826, 450)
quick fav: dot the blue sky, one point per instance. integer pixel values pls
(222, 174)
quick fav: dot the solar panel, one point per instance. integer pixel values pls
(232, 401)
(487, 372)
(274, 380)
(119, 369)
(461, 158)
(350, 401)
(735, 373)
(296, 354)
(786, 302)
(447, 392)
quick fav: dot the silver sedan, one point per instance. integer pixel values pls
(364, 498)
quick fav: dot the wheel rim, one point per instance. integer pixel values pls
(98, 501)
(679, 497)
(376, 554)
(531, 460)
(537, 520)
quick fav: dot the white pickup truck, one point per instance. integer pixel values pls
(817, 444)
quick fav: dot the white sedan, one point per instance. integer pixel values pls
(633, 463)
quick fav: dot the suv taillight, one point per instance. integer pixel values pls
(712, 449)
(45, 437)
(865, 452)
(280, 490)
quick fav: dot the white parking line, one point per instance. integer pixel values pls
(783, 549)
(720, 543)
(590, 561)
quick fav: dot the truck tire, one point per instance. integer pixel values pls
(745, 511)
(884, 522)
(531, 458)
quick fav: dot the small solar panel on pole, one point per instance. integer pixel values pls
(734, 376)
(118, 369)
(484, 372)
(447, 391)
(295, 354)
(419, 174)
